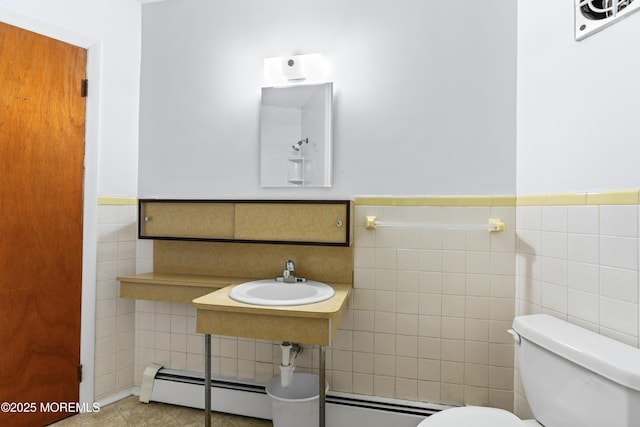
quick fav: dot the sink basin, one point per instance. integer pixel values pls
(270, 292)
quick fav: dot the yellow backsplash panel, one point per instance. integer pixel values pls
(256, 260)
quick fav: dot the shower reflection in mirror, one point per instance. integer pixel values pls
(296, 136)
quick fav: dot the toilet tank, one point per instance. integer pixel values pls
(574, 377)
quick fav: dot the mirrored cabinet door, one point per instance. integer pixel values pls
(296, 136)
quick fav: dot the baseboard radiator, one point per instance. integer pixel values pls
(234, 396)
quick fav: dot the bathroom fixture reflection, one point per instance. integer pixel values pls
(495, 225)
(297, 113)
(298, 145)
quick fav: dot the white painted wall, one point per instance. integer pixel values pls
(113, 26)
(578, 103)
(424, 94)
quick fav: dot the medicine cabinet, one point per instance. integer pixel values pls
(296, 136)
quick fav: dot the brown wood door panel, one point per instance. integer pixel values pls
(41, 178)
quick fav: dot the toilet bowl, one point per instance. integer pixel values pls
(474, 416)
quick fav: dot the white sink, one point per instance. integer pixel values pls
(271, 292)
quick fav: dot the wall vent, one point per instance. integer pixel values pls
(592, 16)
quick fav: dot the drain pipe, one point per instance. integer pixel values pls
(289, 353)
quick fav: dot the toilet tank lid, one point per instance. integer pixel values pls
(611, 359)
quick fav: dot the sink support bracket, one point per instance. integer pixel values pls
(322, 382)
(207, 380)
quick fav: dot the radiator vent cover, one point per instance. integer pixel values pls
(592, 16)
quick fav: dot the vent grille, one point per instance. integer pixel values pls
(592, 16)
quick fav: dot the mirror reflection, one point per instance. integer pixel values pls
(295, 136)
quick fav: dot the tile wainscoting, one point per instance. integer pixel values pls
(118, 253)
(578, 260)
(430, 306)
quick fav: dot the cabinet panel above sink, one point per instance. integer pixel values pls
(298, 222)
(294, 222)
(197, 220)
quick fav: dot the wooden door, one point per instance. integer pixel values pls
(41, 179)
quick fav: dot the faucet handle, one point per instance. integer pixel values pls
(290, 265)
(287, 274)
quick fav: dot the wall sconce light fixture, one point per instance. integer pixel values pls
(294, 69)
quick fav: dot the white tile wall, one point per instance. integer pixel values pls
(436, 293)
(430, 307)
(115, 326)
(166, 335)
(579, 263)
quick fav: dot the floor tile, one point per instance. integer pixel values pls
(130, 412)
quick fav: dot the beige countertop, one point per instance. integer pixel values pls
(173, 287)
(184, 279)
(315, 323)
(220, 301)
(218, 314)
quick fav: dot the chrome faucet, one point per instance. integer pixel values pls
(287, 274)
(289, 268)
